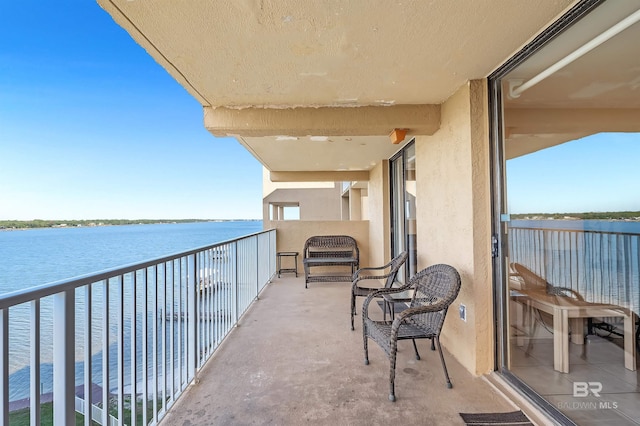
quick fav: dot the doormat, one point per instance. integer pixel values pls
(515, 418)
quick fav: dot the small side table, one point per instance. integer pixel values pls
(391, 299)
(282, 254)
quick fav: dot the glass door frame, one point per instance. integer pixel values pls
(400, 155)
(498, 207)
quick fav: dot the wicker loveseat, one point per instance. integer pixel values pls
(326, 252)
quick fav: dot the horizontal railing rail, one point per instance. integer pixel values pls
(603, 266)
(123, 344)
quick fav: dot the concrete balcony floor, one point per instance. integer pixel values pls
(294, 360)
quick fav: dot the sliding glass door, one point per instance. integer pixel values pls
(569, 218)
(403, 208)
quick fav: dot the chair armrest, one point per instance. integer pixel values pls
(372, 268)
(356, 280)
(565, 292)
(357, 276)
(404, 315)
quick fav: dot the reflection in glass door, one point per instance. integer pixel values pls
(403, 208)
(570, 221)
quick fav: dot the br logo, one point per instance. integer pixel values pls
(583, 389)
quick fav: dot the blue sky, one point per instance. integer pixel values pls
(593, 174)
(92, 127)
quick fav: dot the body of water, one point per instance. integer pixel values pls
(34, 257)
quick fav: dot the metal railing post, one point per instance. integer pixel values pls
(35, 362)
(273, 243)
(236, 293)
(134, 349)
(145, 345)
(192, 318)
(105, 352)
(4, 367)
(120, 337)
(87, 355)
(63, 358)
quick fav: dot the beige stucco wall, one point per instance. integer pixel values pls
(377, 206)
(268, 186)
(291, 235)
(454, 218)
(314, 203)
(316, 200)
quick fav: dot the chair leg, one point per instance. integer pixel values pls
(384, 309)
(415, 348)
(433, 345)
(366, 349)
(444, 366)
(392, 372)
(353, 309)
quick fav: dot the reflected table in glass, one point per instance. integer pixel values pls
(568, 312)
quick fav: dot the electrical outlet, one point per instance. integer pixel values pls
(463, 312)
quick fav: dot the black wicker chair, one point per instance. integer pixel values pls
(363, 274)
(434, 289)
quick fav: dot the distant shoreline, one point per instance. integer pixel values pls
(627, 216)
(15, 225)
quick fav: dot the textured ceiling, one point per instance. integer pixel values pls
(288, 53)
(248, 55)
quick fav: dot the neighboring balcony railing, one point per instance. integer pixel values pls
(598, 259)
(128, 341)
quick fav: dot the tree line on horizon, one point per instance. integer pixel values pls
(42, 223)
(626, 215)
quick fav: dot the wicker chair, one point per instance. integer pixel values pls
(363, 274)
(434, 289)
(532, 281)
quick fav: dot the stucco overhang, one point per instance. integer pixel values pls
(320, 176)
(247, 61)
(324, 138)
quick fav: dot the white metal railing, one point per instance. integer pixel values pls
(134, 337)
(602, 264)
